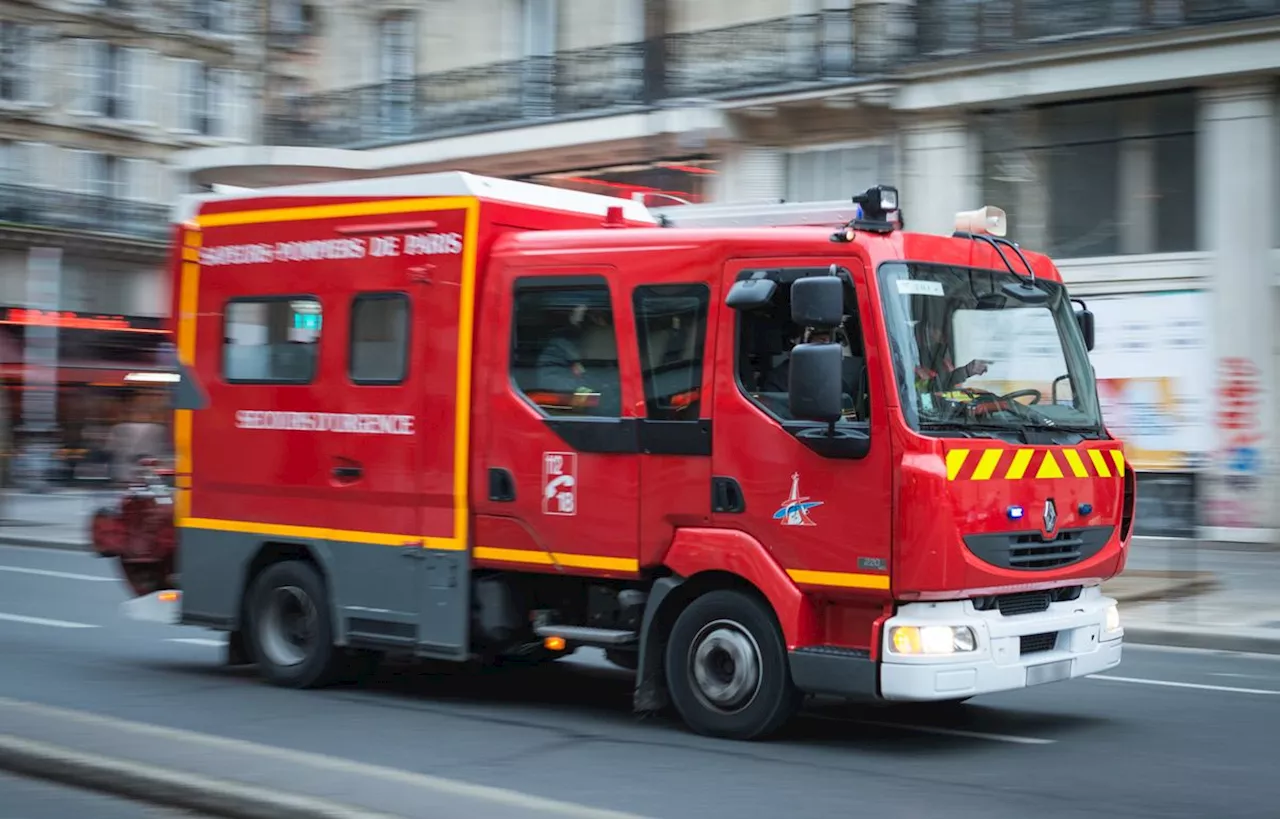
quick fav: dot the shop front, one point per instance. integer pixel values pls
(109, 369)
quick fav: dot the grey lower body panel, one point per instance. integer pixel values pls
(381, 596)
(833, 671)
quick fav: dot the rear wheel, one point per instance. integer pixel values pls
(290, 629)
(727, 669)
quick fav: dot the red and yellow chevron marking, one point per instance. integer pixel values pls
(1010, 464)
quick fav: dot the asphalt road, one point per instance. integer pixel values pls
(32, 799)
(1169, 734)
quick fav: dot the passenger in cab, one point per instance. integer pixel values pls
(936, 373)
(561, 367)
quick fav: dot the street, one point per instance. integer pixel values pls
(1170, 734)
(32, 799)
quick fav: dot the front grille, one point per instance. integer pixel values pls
(1036, 643)
(1032, 602)
(1030, 551)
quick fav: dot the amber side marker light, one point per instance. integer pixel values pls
(554, 643)
(168, 597)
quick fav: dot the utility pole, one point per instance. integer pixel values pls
(264, 66)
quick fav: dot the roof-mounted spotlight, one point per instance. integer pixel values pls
(877, 212)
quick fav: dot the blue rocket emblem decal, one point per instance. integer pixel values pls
(794, 511)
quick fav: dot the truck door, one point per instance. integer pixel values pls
(400, 319)
(825, 516)
(562, 477)
(675, 336)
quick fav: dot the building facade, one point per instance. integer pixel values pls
(1137, 141)
(96, 96)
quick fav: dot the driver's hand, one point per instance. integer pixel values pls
(976, 367)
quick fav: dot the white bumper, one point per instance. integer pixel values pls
(1082, 647)
(160, 607)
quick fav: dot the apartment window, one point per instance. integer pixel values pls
(15, 62)
(1098, 178)
(101, 175)
(272, 340)
(208, 94)
(396, 47)
(213, 16)
(379, 351)
(564, 355)
(825, 174)
(671, 327)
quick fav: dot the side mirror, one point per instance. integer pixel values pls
(817, 301)
(750, 294)
(187, 394)
(814, 389)
(1085, 319)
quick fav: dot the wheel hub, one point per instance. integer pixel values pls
(725, 665)
(289, 626)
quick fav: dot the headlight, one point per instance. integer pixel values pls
(932, 639)
(1113, 618)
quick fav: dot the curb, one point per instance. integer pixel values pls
(43, 543)
(1165, 586)
(1241, 640)
(165, 788)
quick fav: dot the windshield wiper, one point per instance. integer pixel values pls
(970, 430)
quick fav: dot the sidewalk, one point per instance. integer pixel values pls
(1173, 592)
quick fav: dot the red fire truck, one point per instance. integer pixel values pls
(752, 453)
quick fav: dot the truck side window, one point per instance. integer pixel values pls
(564, 355)
(379, 339)
(671, 328)
(765, 339)
(273, 339)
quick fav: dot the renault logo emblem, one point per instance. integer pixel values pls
(1050, 515)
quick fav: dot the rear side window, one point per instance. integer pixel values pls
(564, 355)
(271, 340)
(379, 351)
(671, 326)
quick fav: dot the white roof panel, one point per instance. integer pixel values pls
(450, 183)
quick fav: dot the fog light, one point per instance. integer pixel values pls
(932, 639)
(1113, 618)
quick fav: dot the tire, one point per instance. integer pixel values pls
(278, 596)
(713, 647)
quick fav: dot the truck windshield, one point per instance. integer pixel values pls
(972, 353)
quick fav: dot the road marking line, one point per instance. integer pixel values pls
(65, 575)
(1198, 686)
(428, 782)
(927, 729)
(40, 621)
(197, 641)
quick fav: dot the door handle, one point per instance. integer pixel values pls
(502, 486)
(726, 496)
(347, 473)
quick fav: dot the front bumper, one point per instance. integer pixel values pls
(1082, 646)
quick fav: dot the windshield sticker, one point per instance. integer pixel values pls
(920, 287)
(794, 511)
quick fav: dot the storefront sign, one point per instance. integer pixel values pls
(69, 320)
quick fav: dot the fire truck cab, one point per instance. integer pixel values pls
(750, 453)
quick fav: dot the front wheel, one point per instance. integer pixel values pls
(727, 669)
(289, 626)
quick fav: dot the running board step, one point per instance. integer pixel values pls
(586, 636)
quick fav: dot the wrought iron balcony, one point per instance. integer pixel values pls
(872, 41)
(966, 26)
(29, 206)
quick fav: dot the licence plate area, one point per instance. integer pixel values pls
(1049, 672)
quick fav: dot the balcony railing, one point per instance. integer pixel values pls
(840, 46)
(966, 26)
(29, 206)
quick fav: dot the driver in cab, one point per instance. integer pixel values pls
(936, 372)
